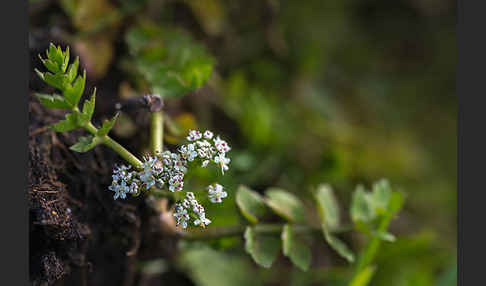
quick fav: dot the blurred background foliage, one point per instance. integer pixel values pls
(306, 92)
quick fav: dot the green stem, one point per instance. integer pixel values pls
(157, 132)
(106, 140)
(238, 230)
(124, 153)
(372, 247)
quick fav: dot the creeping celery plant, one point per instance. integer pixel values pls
(163, 170)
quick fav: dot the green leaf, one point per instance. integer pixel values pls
(50, 65)
(55, 55)
(263, 249)
(53, 101)
(88, 108)
(340, 247)
(73, 93)
(73, 70)
(85, 143)
(329, 214)
(285, 204)
(169, 59)
(59, 81)
(68, 124)
(328, 207)
(298, 252)
(107, 125)
(381, 196)
(40, 74)
(361, 208)
(386, 236)
(225, 269)
(364, 277)
(250, 203)
(66, 60)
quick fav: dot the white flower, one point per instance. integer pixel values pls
(188, 152)
(202, 221)
(194, 135)
(216, 193)
(176, 183)
(221, 145)
(205, 163)
(222, 161)
(181, 215)
(198, 209)
(208, 134)
(190, 196)
(123, 182)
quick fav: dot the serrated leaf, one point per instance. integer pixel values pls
(68, 124)
(285, 204)
(59, 81)
(85, 143)
(66, 60)
(361, 208)
(40, 74)
(364, 277)
(327, 206)
(381, 196)
(250, 203)
(107, 125)
(53, 101)
(262, 248)
(73, 93)
(88, 108)
(339, 246)
(298, 252)
(50, 65)
(55, 54)
(73, 70)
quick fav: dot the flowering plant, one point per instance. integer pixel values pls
(164, 171)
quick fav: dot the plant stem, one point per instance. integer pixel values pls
(372, 247)
(238, 230)
(106, 140)
(124, 153)
(157, 132)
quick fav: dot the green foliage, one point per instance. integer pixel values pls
(85, 143)
(107, 125)
(53, 101)
(328, 209)
(209, 267)
(73, 93)
(294, 248)
(168, 59)
(262, 248)
(371, 212)
(285, 204)
(250, 203)
(368, 209)
(68, 124)
(72, 87)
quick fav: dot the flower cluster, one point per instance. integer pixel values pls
(124, 181)
(188, 208)
(216, 193)
(167, 170)
(207, 148)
